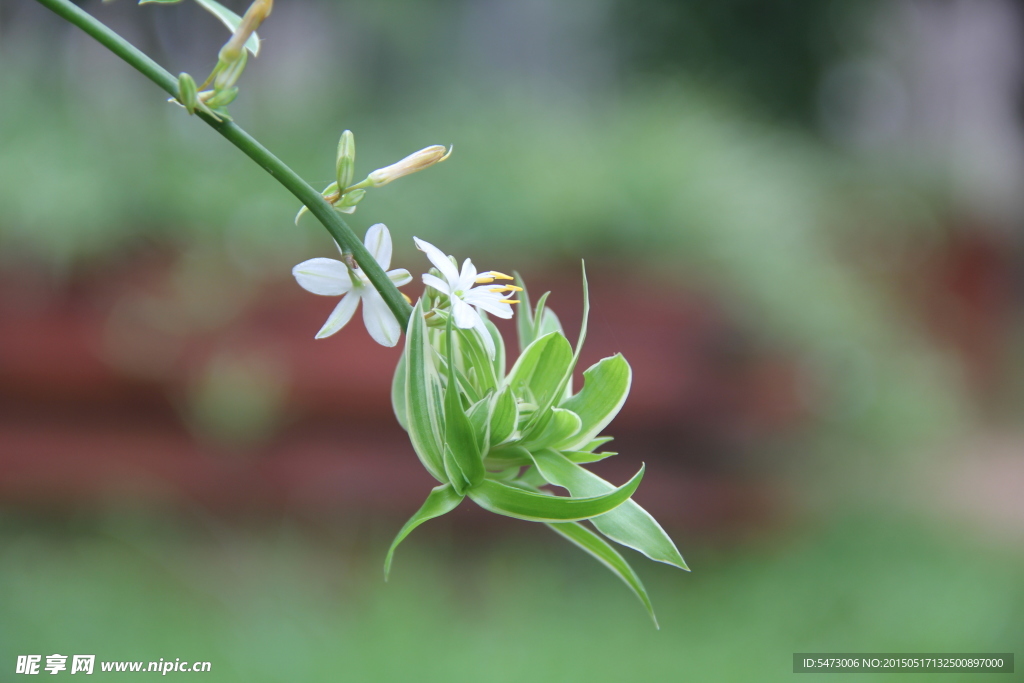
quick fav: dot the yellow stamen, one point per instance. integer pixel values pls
(406, 297)
(500, 276)
(509, 301)
(513, 288)
(484, 280)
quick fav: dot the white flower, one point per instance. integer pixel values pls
(467, 300)
(330, 278)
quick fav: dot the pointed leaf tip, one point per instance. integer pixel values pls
(629, 524)
(442, 500)
(603, 552)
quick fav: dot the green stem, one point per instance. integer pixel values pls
(317, 205)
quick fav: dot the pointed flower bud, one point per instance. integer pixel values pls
(187, 93)
(346, 163)
(416, 161)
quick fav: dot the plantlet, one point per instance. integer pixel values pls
(500, 437)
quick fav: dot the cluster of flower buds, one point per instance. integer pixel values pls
(344, 196)
(221, 87)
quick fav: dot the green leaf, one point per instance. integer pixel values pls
(597, 443)
(477, 357)
(538, 421)
(630, 524)
(586, 314)
(468, 386)
(457, 478)
(549, 323)
(442, 500)
(422, 391)
(231, 20)
(499, 350)
(605, 387)
(398, 392)
(504, 416)
(537, 507)
(525, 485)
(528, 320)
(506, 476)
(524, 318)
(479, 415)
(462, 444)
(600, 550)
(538, 313)
(531, 479)
(560, 426)
(584, 457)
(539, 370)
(509, 455)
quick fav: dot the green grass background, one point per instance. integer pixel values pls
(281, 602)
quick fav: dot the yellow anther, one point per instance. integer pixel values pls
(484, 280)
(406, 297)
(499, 276)
(513, 288)
(509, 301)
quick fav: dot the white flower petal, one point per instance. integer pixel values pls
(400, 276)
(463, 314)
(340, 316)
(439, 259)
(467, 277)
(489, 301)
(323, 276)
(378, 242)
(380, 321)
(485, 336)
(437, 283)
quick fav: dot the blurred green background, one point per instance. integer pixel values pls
(801, 224)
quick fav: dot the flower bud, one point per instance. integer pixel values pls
(254, 16)
(346, 163)
(229, 73)
(416, 161)
(228, 54)
(187, 93)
